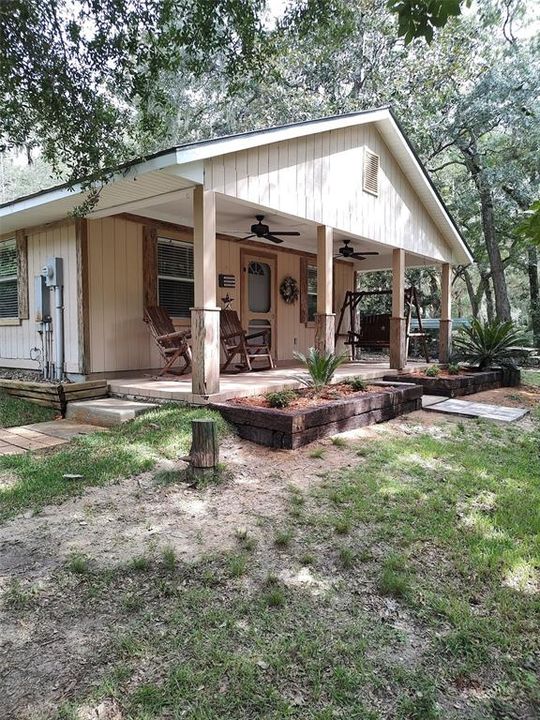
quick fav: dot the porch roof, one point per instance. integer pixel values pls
(161, 176)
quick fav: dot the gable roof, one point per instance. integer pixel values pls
(188, 157)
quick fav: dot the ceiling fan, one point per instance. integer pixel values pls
(349, 252)
(260, 230)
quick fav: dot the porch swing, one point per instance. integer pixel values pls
(374, 330)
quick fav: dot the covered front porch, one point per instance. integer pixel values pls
(243, 384)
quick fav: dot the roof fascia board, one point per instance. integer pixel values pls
(238, 143)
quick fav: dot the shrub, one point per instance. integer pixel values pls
(321, 367)
(487, 343)
(432, 371)
(280, 399)
(453, 368)
(356, 383)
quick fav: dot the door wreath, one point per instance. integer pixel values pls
(289, 290)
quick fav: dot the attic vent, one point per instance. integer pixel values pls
(371, 172)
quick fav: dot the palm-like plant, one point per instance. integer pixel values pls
(320, 366)
(486, 343)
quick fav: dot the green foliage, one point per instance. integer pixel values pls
(529, 228)
(432, 371)
(280, 398)
(357, 383)
(15, 411)
(487, 343)
(453, 368)
(419, 18)
(321, 367)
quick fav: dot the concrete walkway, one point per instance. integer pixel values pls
(40, 436)
(471, 409)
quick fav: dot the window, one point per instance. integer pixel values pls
(311, 292)
(9, 303)
(371, 172)
(259, 287)
(175, 277)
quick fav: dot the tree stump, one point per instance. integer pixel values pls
(204, 452)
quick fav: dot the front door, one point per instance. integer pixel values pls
(258, 295)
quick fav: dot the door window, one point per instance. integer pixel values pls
(259, 287)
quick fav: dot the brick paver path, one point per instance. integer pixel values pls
(40, 436)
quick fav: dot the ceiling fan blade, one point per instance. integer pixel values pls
(244, 239)
(290, 233)
(272, 238)
(359, 252)
(357, 256)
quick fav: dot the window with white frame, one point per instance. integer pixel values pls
(9, 302)
(175, 277)
(311, 292)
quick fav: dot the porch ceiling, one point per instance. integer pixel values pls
(235, 217)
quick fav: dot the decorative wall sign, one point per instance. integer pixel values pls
(227, 281)
(289, 290)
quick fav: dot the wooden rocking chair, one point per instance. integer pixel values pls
(234, 341)
(172, 343)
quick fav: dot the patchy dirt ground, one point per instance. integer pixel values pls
(45, 655)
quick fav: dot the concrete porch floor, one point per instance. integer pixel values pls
(236, 385)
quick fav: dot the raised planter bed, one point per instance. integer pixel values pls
(466, 383)
(55, 395)
(293, 428)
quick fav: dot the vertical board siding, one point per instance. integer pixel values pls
(16, 341)
(319, 177)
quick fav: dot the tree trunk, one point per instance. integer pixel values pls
(486, 288)
(532, 267)
(204, 452)
(474, 165)
(475, 297)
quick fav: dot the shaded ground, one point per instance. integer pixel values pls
(15, 411)
(392, 573)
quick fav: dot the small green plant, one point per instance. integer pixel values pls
(139, 564)
(356, 383)
(245, 540)
(317, 453)
(487, 343)
(16, 597)
(453, 368)
(169, 558)
(307, 559)
(237, 565)
(281, 398)
(78, 564)
(394, 579)
(321, 368)
(282, 538)
(432, 371)
(342, 525)
(275, 594)
(347, 557)
(338, 441)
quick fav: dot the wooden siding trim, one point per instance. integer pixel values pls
(150, 266)
(83, 308)
(22, 274)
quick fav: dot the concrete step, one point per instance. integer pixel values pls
(106, 412)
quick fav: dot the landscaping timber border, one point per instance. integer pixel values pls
(473, 381)
(55, 395)
(292, 429)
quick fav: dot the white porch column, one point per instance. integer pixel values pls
(205, 314)
(325, 318)
(397, 321)
(445, 327)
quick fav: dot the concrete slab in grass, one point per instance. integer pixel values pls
(478, 410)
(429, 400)
(106, 412)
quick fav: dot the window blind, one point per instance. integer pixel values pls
(9, 304)
(175, 277)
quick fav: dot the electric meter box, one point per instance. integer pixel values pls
(42, 295)
(53, 272)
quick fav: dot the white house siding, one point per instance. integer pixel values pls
(16, 341)
(120, 340)
(320, 178)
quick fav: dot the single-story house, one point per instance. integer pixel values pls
(169, 230)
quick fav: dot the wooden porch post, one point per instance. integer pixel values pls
(445, 323)
(398, 359)
(205, 314)
(325, 318)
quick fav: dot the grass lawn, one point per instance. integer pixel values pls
(14, 411)
(404, 585)
(99, 457)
